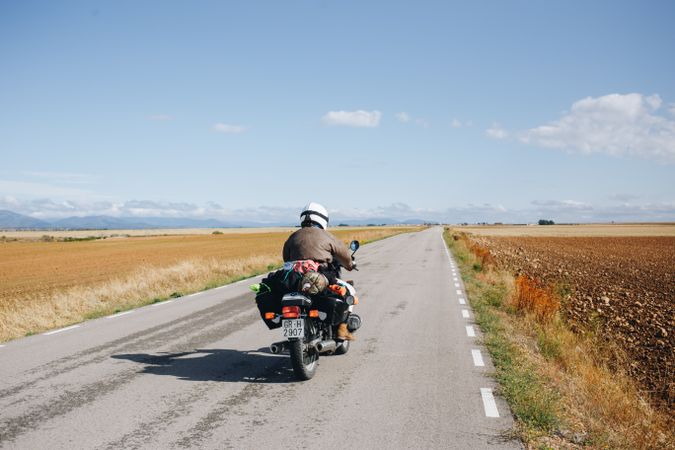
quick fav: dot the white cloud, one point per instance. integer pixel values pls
(226, 128)
(360, 118)
(623, 197)
(160, 117)
(562, 205)
(403, 117)
(615, 124)
(561, 211)
(456, 123)
(497, 132)
(422, 122)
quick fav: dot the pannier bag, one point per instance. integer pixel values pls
(299, 276)
(272, 289)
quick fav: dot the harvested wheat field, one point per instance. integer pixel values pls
(34, 235)
(50, 284)
(623, 288)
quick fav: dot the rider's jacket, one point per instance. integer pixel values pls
(317, 244)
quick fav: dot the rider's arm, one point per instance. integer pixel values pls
(341, 253)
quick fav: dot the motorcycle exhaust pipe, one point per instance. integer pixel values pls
(326, 346)
(278, 347)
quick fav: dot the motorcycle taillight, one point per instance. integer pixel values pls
(290, 312)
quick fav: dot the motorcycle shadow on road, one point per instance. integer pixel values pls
(226, 365)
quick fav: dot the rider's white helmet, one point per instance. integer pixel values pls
(314, 213)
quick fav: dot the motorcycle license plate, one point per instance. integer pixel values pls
(294, 328)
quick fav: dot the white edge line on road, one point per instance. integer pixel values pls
(456, 284)
(164, 302)
(470, 331)
(477, 358)
(459, 292)
(120, 314)
(1, 345)
(49, 333)
(489, 402)
(462, 301)
(465, 313)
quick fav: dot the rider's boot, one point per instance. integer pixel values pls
(343, 333)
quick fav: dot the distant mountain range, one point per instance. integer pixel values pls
(12, 221)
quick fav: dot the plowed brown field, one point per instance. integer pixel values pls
(621, 287)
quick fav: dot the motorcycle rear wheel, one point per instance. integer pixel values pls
(304, 362)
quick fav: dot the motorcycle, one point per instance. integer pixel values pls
(309, 325)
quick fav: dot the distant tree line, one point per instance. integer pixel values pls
(546, 222)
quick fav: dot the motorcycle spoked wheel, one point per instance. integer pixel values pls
(304, 362)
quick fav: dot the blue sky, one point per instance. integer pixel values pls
(452, 111)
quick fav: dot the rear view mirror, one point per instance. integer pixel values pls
(354, 246)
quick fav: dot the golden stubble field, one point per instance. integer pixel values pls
(50, 284)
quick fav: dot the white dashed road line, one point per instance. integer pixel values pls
(477, 358)
(489, 402)
(60, 330)
(120, 314)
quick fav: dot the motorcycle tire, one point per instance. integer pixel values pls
(304, 362)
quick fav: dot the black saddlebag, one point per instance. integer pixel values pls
(272, 289)
(334, 307)
(269, 302)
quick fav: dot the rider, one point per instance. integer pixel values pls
(312, 241)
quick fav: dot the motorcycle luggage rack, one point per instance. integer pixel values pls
(296, 299)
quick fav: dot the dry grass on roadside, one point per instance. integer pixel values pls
(112, 289)
(560, 385)
(145, 285)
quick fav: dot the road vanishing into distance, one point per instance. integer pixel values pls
(196, 372)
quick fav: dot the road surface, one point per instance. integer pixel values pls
(196, 372)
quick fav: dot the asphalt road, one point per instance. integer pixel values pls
(196, 372)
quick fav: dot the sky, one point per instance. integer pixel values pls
(495, 111)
